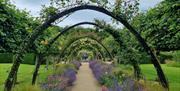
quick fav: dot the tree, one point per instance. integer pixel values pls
(15, 25)
(160, 26)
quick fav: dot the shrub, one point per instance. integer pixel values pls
(106, 80)
(162, 57)
(173, 64)
(110, 77)
(60, 68)
(8, 58)
(100, 69)
(115, 87)
(29, 59)
(63, 77)
(53, 83)
(70, 74)
(131, 85)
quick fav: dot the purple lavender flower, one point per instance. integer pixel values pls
(131, 85)
(99, 69)
(71, 75)
(59, 82)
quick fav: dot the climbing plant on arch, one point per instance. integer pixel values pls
(93, 47)
(88, 37)
(24, 46)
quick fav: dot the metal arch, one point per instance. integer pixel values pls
(75, 40)
(30, 39)
(90, 45)
(79, 38)
(68, 29)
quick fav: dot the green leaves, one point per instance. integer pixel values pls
(159, 26)
(13, 26)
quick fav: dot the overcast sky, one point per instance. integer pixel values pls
(34, 6)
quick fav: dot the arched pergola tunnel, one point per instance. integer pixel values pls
(71, 49)
(85, 46)
(115, 34)
(88, 37)
(63, 31)
(92, 54)
(90, 51)
(25, 45)
(97, 45)
(110, 31)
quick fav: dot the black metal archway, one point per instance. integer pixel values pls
(92, 46)
(25, 45)
(88, 37)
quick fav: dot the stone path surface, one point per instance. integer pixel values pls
(85, 80)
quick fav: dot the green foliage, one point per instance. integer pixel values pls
(173, 64)
(15, 25)
(160, 26)
(42, 43)
(106, 80)
(29, 59)
(169, 56)
(126, 9)
(47, 12)
(8, 58)
(176, 56)
(61, 68)
(163, 57)
(82, 38)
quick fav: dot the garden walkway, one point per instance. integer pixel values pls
(85, 80)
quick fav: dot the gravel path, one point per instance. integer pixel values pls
(85, 80)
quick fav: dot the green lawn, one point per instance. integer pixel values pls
(24, 74)
(172, 74)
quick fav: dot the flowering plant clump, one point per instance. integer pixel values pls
(104, 74)
(115, 86)
(54, 83)
(77, 64)
(70, 74)
(132, 85)
(100, 69)
(59, 82)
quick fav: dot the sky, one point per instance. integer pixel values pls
(34, 6)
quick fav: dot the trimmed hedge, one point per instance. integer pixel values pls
(8, 58)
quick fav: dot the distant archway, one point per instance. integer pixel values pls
(79, 38)
(92, 46)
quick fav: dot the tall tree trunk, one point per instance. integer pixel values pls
(47, 65)
(15, 77)
(13, 73)
(40, 59)
(137, 70)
